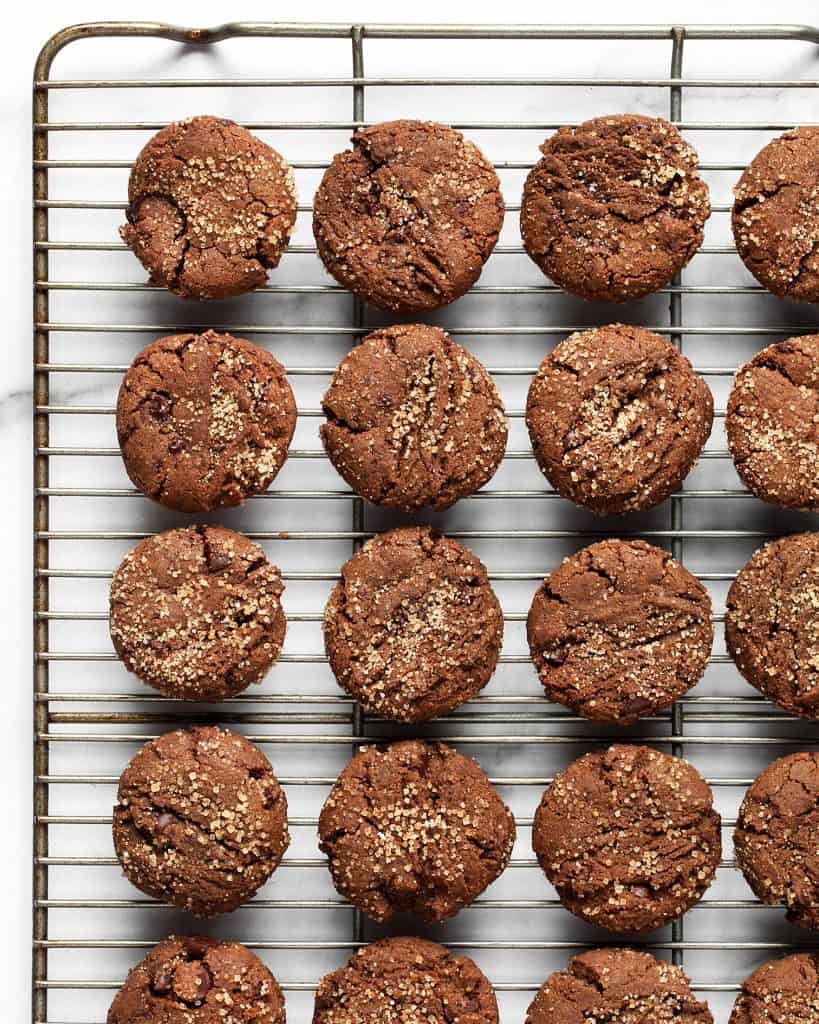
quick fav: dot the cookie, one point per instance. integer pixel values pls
(772, 423)
(785, 990)
(619, 631)
(619, 986)
(775, 837)
(615, 207)
(405, 979)
(204, 420)
(200, 820)
(197, 613)
(413, 419)
(775, 217)
(413, 628)
(414, 827)
(408, 217)
(629, 837)
(210, 208)
(193, 979)
(772, 622)
(617, 418)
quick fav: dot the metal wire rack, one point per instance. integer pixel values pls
(91, 314)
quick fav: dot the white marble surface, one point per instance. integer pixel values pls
(739, 315)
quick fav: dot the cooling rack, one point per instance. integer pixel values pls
(304, 88)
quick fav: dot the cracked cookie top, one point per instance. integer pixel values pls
(197, 613)
(772, 423)
(772, 622)
(413, 419)
(776, 215)
(204, 420)
(413, 628)
(786, 991)
(619, 631)
(408, 217)
(775, 837)
(615, 207)
(617, 418)
(414, 827)
(194, 979)
(406, 980)
(618, 986)
(629, 837)
(200, 820)
(210, 208)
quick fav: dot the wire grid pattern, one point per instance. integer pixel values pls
(89, 717)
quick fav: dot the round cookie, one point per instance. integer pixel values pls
(617, 418)
(629, 837)
(772, 423)
(615, 207)
(619, 631)
(785, 990)
(408, 217)
(204, 420)
(775, 217)
(193, 979)
(413, 419)
(414, 827)
(772, 622)
(405, 979)
(200, 820)
(197, 613)
(210, 208)
(413, 628)
(619, 986)
(775, 837)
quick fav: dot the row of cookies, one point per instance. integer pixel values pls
(408, 979)
(413, 628)
(407, 218)
(616, 415)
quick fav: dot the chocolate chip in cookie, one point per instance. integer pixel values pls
(617, 418)
(413, 419)
(200, 820)
(775, 837)
(197, 613)
(413, 628)
(615, 207)
(414, 827)
(629, 837)
(210, 208)
(408, 217)
(619, 631)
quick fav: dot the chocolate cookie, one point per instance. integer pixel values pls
(200, 820)
(408, 980)
(413, 628)
(414, 827)
(204, 420)
(193, 979)
(785, 990)
(619, 986)
(775, 218)
(772, 622)
(775, 837)
(629, 837)
(197, 612)
(408, 217)
(210, 208)
(619, 631)
(615, 207)
(413, 419)
(773, 423)
(617, 418)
